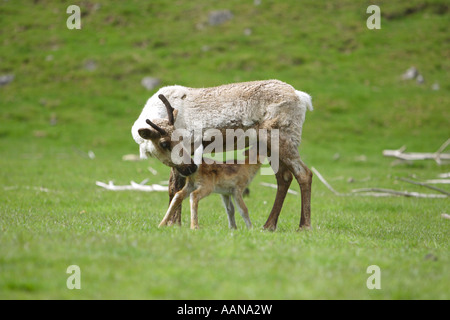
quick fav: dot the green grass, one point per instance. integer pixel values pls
(325, 49)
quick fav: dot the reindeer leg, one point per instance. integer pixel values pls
(284, 179)
(176, 183)
(305, 182)
(304, 178)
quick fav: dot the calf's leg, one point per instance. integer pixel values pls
(242, 208)
(174, 205)
(228, 204)
(195, 197)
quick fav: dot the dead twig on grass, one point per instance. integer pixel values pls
(438, 181)
(425, 185)
(132, 186)
(378, 192)
(274, 186)
(318, 175)
(41, 189)
(399, 193)
(437, 156)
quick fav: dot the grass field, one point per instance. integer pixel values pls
(76, 91)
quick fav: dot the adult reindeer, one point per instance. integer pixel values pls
(269, 104)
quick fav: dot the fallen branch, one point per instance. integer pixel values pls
(400, 193)
(438, 181)
(41, 189)
(437, 156)
(442, 148)
(133, 186)
(318, 175)
(377, 192)
(274, 186)
(425, 185)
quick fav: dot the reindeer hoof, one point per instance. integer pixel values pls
(304, 228)
(270, 227)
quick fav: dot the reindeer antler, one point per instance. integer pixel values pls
(168, 107)
(154, 126)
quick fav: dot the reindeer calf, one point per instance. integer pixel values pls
(229, 180)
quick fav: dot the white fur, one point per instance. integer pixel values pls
(239, 105)
(305, 99)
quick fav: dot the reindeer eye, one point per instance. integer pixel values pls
(165, 144)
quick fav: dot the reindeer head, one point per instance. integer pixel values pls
(160, 134)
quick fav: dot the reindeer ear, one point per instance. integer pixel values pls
(149, 134)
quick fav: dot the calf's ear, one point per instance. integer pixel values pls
(149, 134)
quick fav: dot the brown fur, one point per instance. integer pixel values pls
(229, 180)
